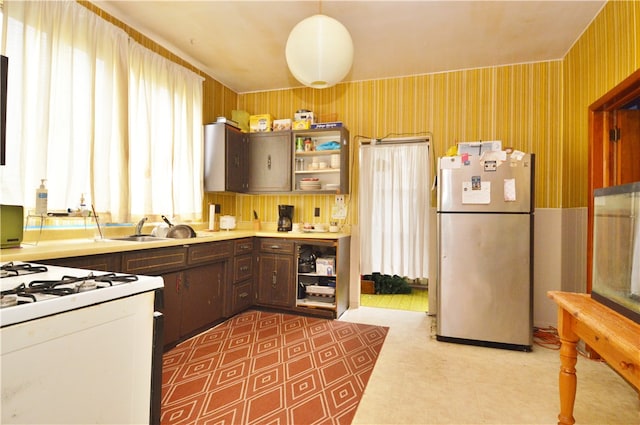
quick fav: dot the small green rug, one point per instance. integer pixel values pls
(418, 300)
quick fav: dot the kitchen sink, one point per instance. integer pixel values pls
(139, 238)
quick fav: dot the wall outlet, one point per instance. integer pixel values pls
(340, 199)
(316, 212)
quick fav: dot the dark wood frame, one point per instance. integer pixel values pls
(599, 168)
(4, 75)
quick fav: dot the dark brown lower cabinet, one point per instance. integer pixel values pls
(276, 273)
(202, 297)
(207, 282)
(193, 300)
(172, 309)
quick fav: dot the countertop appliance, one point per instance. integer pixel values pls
(79, 346)
(11, 222)
(285, 218)
(485, 242)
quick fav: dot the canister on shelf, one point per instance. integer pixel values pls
(299, 144)
(308, 144)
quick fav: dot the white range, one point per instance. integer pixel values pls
(76, 343)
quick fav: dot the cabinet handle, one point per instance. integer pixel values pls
(243, 295)
(178, 283)
(244, 268)
(245, 246)
(269, 162)
(275, 247)
(274, 278)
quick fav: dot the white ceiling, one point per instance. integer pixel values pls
(241, 43)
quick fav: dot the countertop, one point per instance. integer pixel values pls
(64, 248)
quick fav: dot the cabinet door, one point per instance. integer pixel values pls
(237, 161)
(270, 162)
(329, 166)
(275, 277)
(202, 296)
(172, 309)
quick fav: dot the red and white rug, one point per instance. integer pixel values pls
(270, 368)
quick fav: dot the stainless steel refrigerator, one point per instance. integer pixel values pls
(485, 247)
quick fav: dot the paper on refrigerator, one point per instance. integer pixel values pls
(476, 193)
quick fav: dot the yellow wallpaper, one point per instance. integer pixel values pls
(520, 105)
(607, 53)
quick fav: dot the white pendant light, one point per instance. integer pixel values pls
(319, 51)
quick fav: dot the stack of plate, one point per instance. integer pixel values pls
(332, 186)
(310, 183)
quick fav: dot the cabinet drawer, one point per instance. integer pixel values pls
(241, 297)
(206, 252)
(243, 246)
(154, 261)
(242, 267)
(274, 245)
(101, 262)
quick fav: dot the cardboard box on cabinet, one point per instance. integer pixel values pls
(282, 125)
(305, 116)
(260, 123)
(301, 125)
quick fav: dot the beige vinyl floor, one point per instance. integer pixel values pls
(419, 380)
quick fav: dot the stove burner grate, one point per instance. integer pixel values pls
(66, 285)
(18, 295)
(54, 287)
(10, 269)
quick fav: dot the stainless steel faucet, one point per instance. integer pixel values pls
(139, 226)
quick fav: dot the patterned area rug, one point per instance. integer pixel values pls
(270, 368)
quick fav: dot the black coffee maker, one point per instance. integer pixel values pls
(285, 218)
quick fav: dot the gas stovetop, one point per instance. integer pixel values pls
(29, 291)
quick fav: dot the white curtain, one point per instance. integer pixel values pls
(394, 195)
(165, 110)
(67, 76)
(97, 115)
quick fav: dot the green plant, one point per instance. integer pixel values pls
(387, 284)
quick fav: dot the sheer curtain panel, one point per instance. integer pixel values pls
(67, 80)
(165, 116)
(394, 193)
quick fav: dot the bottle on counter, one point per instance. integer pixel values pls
(83, 207)
(41, 198)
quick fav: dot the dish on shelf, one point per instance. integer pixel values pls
(313, 187)
(310, 183)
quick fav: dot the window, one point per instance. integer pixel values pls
(98, 116)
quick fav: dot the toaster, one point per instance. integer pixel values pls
(11, 218)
